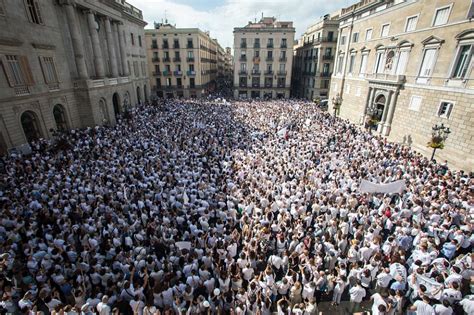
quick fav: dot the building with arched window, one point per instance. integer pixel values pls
(68, 64)
(405, 66)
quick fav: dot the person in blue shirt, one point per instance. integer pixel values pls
(449, 249)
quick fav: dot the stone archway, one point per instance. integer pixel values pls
(31, 126)
(126, 100)
(59, 114)
(379, 106)
(139, 96)
(116, 104)
(103, 110)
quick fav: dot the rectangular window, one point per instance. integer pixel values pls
(379, 62)
(158, 82)
(428, 62)
(283, 43)
(135, 69)
(190, 43)
(441, 16)
(355, 37)
(139, 40)
(326, 68)
(445, 109)
(154, 43)
(415, 103)
(411, 23)
(33, 11)
(402, 62)
(2, 8)
(343, 40)
(17, 70)
(191, 67)
(463, 61)
(340, 61)
(282, 67)
(132, 39)
(176, 43)
(368, 34)
(363, 64)
(49, 70)
(192, 83)
(385, 30)
(351, 63)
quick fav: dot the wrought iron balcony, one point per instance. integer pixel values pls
(178, 73)
(191, 73)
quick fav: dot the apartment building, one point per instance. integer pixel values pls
(67, 64)
(229, 60)
(263, 59)
(182, 62)
(314, 59)
(406, 66)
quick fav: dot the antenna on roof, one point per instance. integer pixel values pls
(166, 19)
(262, 15)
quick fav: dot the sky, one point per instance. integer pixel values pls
(219, 17)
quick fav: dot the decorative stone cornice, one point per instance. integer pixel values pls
(43, 46)
(10, 41)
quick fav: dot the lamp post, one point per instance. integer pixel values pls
(336, 102)
(439, 134)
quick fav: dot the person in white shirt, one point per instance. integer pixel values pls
(443, 308)
(423, 306)
(356, 293)
(102, 307)
(378, 301)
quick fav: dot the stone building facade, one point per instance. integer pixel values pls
(228, 66)
(313, 60)
(404, 66)
(263, 59)
(67, 64)
(183, 62)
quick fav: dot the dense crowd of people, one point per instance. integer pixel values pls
(202, 207)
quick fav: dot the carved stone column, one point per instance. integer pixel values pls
(111, 48)
(98, 60)
(76, 38)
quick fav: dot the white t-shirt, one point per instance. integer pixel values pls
(378, 300)
(423, 308)
(103, 309)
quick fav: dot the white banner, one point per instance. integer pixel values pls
(433, 289)
(391, 188)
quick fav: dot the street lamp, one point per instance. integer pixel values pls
(336, 102)
(439, 134)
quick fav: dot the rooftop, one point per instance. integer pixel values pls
(267, 23)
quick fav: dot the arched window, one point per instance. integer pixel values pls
(60, 117)
(30, 125)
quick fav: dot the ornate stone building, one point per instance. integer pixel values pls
(183, 62)
(406, 65)
(313, 60)
(67, 64)
(263, 59)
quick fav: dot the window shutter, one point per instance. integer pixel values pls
(7, 71)
(38, 11)
(25, 68)
(43, 67)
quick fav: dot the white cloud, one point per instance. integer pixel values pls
(222, 19)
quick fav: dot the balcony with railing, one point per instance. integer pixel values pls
(191, 73)
(243, 58)
(268, 85)
(282, 58)
(176, 59)
(190, 46)
(256, 45)
(154, 46)
(281, 85)
(269, 59)
(328, 57)
(243, 45)
(283, 46)
(155, 59)
(166, 59)
(281, 72)
(269, 72)
(166, 46)
(255, 85)
(326, 74)
(242, 72)
(269, 45)
(178, 73)
(242, 85)
(256, 72)
(190, 59)
(386, 78)
(256, 59)
(156, 73)
(167, 73)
